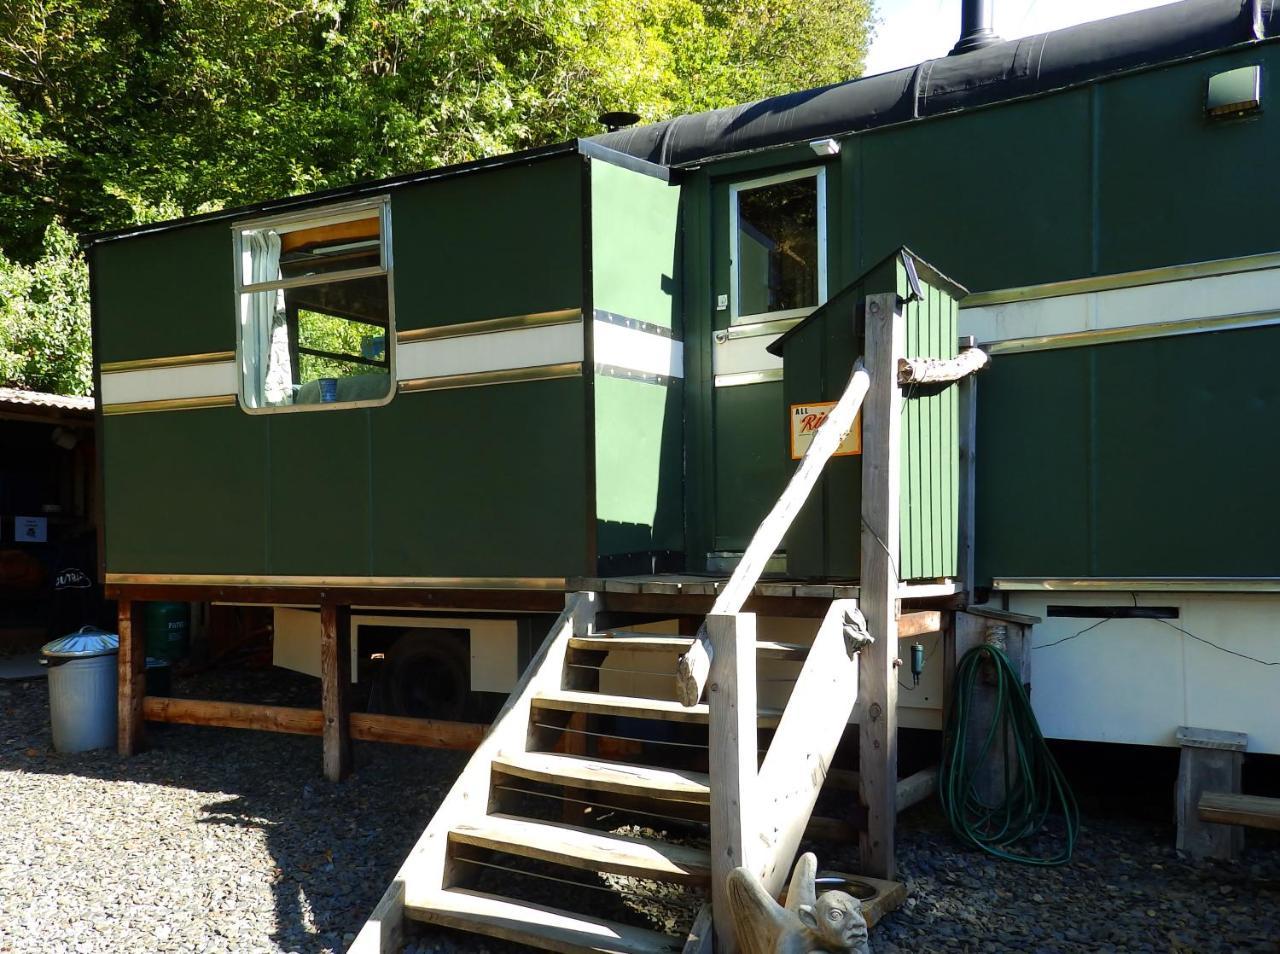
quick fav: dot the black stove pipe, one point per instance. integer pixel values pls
(975, 27)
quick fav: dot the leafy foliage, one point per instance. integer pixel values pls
(119, 111)
(44, 319)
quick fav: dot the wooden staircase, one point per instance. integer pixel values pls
(530, 799)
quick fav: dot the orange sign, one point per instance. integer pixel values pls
(805, 421)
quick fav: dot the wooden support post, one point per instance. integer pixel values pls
(732, 741)
(968, 413)
(335, 688)
(1211, 762)
(131, 667)
(878, 676)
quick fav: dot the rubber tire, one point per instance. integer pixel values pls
(425, 674)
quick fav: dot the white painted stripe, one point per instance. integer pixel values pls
(635, 350)
(742, 355)
(165, 384)
(1193, 299)
(496, 351)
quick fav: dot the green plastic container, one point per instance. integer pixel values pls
(168, 628)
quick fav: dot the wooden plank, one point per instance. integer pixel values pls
(881, 512)
(919, 623)
(596, 775)
(335, 689)
(587, 849)
(365, 726)
(426, 733)
(634, 707)
(701, 939)
(917, 788)
(131, 672)
(1254, 811)
(694, 667)
(765, 649)
(796, 765)
(731, 744)
(427, 868)
(535, 924)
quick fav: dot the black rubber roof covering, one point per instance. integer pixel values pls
(1002, 71)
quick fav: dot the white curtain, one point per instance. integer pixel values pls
(264, 336)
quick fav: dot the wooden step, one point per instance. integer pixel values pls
(598, 703)
(675, 645)
(587, 849)
(597, 775)
(534, 924)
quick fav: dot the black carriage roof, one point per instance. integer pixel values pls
(1008, 70)
(1003, 71)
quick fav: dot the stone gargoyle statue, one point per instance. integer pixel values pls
(831, 924)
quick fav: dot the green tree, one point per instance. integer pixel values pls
(121, 111)
(45, 340)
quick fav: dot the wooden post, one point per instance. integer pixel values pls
(1211, 762)
(878, 600)
(968, 413)
(131, 667)
(732, 742)
(335, 688)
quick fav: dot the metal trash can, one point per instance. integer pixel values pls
(82, 689)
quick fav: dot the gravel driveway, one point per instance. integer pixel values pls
(223, 840)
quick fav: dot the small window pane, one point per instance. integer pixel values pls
(777, 247)
(271, 254)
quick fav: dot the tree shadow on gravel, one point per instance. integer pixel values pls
(327, 850)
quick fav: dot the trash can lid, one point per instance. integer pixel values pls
(86, 641)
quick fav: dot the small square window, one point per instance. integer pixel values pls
(778, 262)
(314, 309)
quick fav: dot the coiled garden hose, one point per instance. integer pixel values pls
(1034, 786)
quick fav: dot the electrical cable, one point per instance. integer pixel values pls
(1033, 785)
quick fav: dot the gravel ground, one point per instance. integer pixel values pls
(221, 840)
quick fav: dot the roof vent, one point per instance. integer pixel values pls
(617, 119)
(975, 27)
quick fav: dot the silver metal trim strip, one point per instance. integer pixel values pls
(1142, 584)
(1166, 329)
(635, 324)
(741, 378)
(1146, 276)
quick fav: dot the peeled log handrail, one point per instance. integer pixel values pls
(693, 667)
(941, 370)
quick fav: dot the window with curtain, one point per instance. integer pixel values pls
(315, 322)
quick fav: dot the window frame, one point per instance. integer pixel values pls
(310, 218)
(819, 174)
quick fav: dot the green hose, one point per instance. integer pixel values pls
(1034, 786)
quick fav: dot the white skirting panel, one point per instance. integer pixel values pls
(1137, 680)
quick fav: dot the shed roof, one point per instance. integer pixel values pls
(14, 398)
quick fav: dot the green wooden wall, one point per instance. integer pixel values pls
(824, 541)
(478, 481)
(638, 426)
(1121, 175)
(1142, 458)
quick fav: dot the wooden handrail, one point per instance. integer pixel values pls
(693, 667)
(795, 767)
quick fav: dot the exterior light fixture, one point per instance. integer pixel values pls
(825, 147)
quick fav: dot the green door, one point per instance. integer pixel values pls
(769, 270)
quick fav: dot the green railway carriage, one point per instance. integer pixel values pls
(558, 364)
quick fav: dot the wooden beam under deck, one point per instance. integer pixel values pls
(131, 669)
(364, 726)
